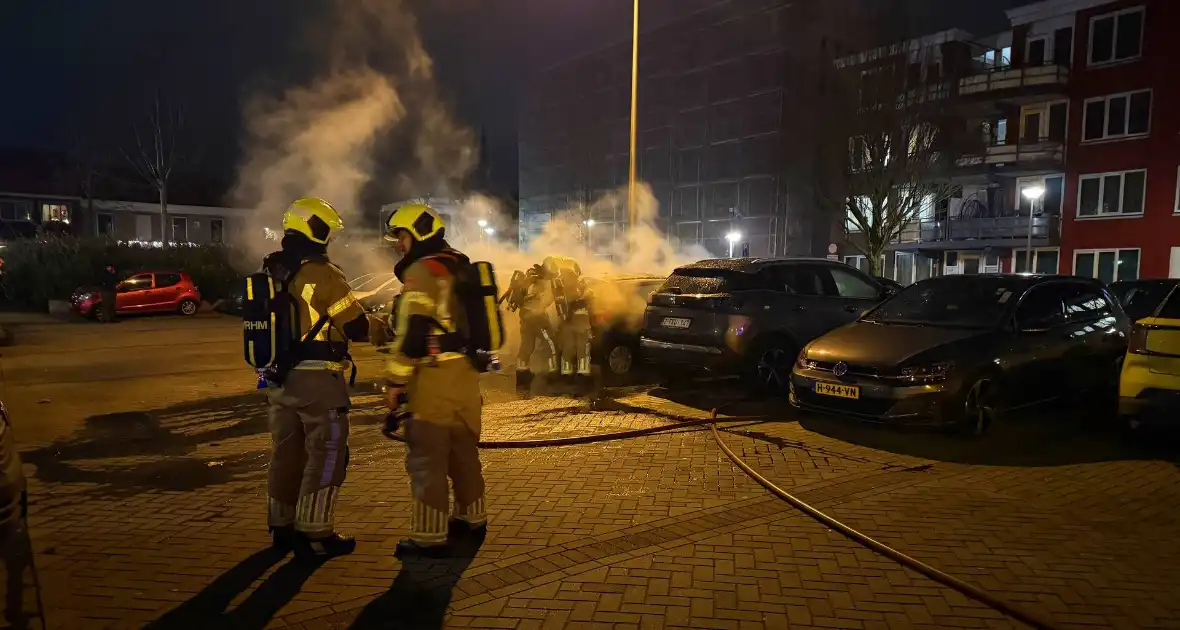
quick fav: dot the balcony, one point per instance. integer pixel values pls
(1015, 86)
(978, 232)
(1026, 157)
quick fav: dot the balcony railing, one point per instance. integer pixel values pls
(1043, 151)
(1014, 227)
(1014, 79)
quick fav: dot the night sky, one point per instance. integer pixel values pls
(86, 69)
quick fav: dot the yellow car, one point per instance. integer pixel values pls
(1149, 389)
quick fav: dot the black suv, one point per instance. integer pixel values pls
(752, 315)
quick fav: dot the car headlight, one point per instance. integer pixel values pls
(932, 373)
(802, 362)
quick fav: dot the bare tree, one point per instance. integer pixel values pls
(157, 154)
(884, 145)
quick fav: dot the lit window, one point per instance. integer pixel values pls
(55, 212)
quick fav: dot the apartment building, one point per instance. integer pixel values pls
(1076, 154)
(727, 109)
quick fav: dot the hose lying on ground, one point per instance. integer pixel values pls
(681, 422)
(602, 437)
(874, 545)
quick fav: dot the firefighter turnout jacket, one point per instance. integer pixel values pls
(427, 294)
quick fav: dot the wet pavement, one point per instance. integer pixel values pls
(145, 445)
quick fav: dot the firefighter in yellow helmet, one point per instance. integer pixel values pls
(440, 384)
(308, 399)
(531, 293)
(573, 327)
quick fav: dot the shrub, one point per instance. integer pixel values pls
(52, 267)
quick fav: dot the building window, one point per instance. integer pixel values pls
(1111, 194)
(1107, 265)
(865, 206)
(862, 263)
(1125, 115)
(14, 210)
(104, 224)
(1038, 51)
(1045, 261)
(179, 229)
(216, 231)
(1116, 36)
(59, 212)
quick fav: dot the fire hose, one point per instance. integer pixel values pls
(681, 422)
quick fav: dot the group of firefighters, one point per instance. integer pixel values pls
(552, 302)
(429, 378)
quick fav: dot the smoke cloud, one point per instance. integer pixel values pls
(373, 96)
(373, 93)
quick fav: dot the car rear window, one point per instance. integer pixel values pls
(691, 281)
(1171, 308)
(1140, 299)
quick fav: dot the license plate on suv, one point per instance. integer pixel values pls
(837, 390)
(676, 322)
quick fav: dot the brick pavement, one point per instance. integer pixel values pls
(153, 516)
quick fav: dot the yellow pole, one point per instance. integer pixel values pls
(631, 218)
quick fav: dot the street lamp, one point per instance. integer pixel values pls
(589, 223)
(733, 237)
(483, 223)
(1032, 193)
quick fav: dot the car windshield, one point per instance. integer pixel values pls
(704, 281)
(1140, 299)
(953, 302)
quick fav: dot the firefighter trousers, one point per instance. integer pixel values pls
(532, 328)
(442, 440)
(575, 345)
(308, 419)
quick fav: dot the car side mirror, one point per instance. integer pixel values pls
(888, 292)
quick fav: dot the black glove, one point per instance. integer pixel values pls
(395, 418)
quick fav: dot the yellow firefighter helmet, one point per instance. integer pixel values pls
(314, 218)
(419, 219)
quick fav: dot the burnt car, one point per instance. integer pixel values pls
(961, 350)
(616, 305)
(751, 316)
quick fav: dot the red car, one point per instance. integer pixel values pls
(144, 292)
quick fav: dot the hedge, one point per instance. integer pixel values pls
(50, 267)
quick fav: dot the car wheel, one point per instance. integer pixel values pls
(188, 308)
(771, 366)
(98, 314)
(620, 359)
(980, 407)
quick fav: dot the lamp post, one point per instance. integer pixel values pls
(634, 115)
(484, 230)
(733, 237)
(1033, 194)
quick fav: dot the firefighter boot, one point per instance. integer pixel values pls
(524, 384)
(309, 549)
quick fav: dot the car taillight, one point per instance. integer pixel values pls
(1137, 344)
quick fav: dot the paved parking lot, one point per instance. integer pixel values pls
(146, 447)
